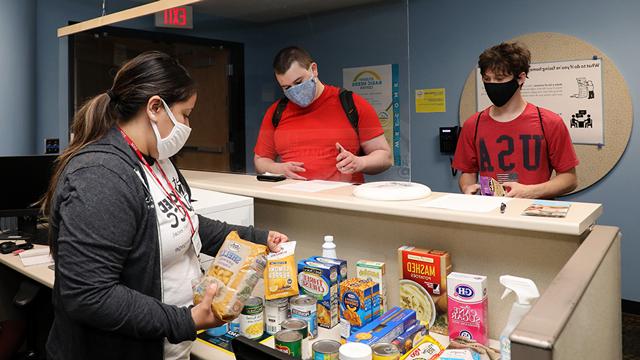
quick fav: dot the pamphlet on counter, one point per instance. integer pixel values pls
(547, 208)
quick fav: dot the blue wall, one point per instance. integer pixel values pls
(446, 39)
(17, 77)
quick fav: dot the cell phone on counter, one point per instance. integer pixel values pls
(270, 177)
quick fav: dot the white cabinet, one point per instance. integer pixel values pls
(233, 209)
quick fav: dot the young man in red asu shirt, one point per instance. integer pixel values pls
(514, 142)
(314, 138)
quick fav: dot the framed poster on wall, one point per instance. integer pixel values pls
(571, 89)
(379, 85)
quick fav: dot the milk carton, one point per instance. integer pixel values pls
(467, 296)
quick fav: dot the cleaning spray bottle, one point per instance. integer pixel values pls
(527, 292)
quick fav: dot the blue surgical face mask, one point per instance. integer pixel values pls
(303, 93)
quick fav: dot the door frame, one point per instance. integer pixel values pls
(237, 139)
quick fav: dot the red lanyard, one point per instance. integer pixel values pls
(180, 204)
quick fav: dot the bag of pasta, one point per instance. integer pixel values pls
(236, 269)
(281, 274)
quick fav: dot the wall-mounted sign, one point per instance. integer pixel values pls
(379, 85)
(180, 17)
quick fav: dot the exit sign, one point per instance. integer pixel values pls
(179, 17)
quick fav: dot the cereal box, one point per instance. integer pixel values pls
(423, 285)
(375, 271)
(468, 307)
(357, 304)
(321, 281)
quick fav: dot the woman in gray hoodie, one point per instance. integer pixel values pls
(124, 235)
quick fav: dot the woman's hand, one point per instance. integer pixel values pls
(274, 240)
(202, 313)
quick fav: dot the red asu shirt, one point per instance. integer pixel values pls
(310, 134)
(516, 150)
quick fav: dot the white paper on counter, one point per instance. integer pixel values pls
(36, 257)
(312, 186)
(469, 203)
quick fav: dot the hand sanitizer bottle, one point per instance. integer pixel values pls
(329, 248)
(526, 291)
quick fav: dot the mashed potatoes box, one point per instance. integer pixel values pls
(423, 285)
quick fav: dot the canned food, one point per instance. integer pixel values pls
(326, 350)
(289, 342)
(252, 319)
(385, 351)
(275, 311)
(298, 325)
(235, 325)
(304, 307)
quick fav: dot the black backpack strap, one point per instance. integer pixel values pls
(475, 132)
(277, 114)
(544, 136)
(349, 107)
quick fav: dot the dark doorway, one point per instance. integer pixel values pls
(218, 140)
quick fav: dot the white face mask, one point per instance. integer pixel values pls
(170, 145)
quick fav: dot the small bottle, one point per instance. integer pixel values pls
(526, 292)
(329, 248)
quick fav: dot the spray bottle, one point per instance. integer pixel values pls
(526, 291)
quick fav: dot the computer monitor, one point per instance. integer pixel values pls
(24, 180)
(245, 349)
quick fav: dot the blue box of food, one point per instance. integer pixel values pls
(385, 328)
(342, 274)
(320, 281)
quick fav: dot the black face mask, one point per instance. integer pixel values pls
(501, 93)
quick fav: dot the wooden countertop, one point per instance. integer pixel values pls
(580, 217)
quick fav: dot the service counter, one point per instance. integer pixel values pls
(575, 263)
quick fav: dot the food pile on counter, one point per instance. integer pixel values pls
(314, 310)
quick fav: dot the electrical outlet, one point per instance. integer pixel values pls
(51, 146)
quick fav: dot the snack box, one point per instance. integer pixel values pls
(342, 274)
(410, 338)
(423, 285)
(375, 271)
(468, 307)
(385, 328)
(321, 281)
(359, 301)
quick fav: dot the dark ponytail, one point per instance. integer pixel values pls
(148, 74)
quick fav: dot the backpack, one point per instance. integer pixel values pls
(346, 100)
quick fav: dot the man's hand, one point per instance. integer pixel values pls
(202, 313)
(347, 163)
(471, 189)
(274, 240)
(290, 169)
(517, 190)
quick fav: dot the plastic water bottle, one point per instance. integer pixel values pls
(329, 248)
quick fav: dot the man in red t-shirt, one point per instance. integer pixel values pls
(314, 139)
(513, 141)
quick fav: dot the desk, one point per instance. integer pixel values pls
(39, 273)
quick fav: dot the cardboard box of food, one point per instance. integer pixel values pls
(321, 281)
(423, 285)
(385, 328)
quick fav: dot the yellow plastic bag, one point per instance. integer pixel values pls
(280, 275)
(236, 269)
